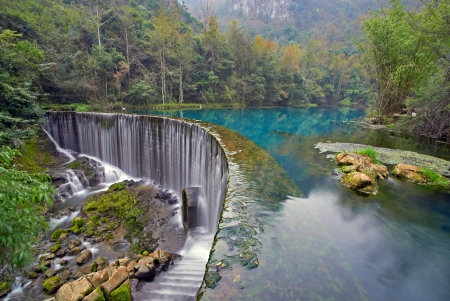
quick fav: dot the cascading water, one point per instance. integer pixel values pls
(174, 154)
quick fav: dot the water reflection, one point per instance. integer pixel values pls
(397, 243)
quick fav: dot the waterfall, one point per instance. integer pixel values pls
(172, 153)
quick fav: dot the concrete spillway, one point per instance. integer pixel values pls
(174, 154)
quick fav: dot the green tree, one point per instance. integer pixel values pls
(398, 55)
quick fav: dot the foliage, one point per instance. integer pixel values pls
(145, 52)
(22, 195)
(434, 178)
(371, 153)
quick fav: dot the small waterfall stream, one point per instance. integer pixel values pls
(172, 153)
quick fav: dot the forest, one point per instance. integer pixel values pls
(112, 54)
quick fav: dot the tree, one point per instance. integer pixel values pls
(166, 26)
(19, 69)
(398, 54)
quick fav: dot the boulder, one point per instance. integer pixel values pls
(99, 278)
(119, 277)
(162, 260)
(409, 172)
(96, 295)
(75, 290)
(360, 182)
(52, 284)
(84, 257)
(352, 159)
(145, 269)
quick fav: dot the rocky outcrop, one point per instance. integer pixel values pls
(360, 172)
(360, 163)
(409, 172)
(278, 9)
(391, 156)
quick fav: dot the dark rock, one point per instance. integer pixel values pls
(145, 269)
(63, 262)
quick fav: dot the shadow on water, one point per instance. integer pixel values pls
(397, 243)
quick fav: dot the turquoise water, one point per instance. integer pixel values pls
(397, 243)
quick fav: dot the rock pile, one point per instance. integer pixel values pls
(360, 172)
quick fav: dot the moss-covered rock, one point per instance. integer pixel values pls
(77, 225)
(5, 288)
(55, 247)
(123, 293)
(57, 234)
(96, 295)
(52, 284)
(212, 278)
(360, 182)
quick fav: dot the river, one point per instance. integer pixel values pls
(397, 243)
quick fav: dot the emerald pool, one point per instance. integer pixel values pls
(392, 246)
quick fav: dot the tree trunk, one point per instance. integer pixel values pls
(181, 83)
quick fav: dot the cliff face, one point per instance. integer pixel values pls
(275, 9)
